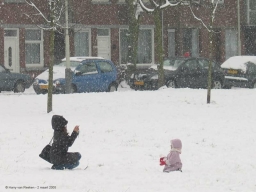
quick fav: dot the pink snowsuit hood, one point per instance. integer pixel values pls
(173, 161)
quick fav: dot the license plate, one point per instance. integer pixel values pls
(43, 86)
(232, 71)
(139, 83)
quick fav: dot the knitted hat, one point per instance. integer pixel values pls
(58, 122)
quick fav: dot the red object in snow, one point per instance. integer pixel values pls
(162, 162)
(186, 54)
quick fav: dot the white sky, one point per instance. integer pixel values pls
(123, 135)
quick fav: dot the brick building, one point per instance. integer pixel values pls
(99, 28)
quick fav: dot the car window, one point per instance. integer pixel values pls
(2, 69)
(72, 63)
(173, 62)
(87, 68)
(204, 63)
(251, 67)
(191, 64)
(105, 66)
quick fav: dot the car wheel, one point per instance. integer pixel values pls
(19, 87)
(73, 89)
(171, 84)
(217, 84)
(112, 87)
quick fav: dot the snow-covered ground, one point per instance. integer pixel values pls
(122, 136)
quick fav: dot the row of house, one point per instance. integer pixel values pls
(99, 28)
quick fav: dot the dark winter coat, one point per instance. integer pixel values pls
(61, 142)
(59, 152)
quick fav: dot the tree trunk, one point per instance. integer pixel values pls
(159, 46)
(133, 35)
(50, 81)
(210, 64)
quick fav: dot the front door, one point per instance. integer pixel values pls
(104, 43)
(11, 51)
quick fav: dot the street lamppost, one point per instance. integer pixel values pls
(68, 73)
(238, 28)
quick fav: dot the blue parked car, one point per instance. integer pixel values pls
(15, 82)
(90, 74)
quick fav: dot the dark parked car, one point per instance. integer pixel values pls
(240, 71)
(90, 74)
(13, 81)
(180, 73)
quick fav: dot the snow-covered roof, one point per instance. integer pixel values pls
(82, 58)
(238, 62)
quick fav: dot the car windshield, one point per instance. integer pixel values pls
(173, 62)
(72, 64)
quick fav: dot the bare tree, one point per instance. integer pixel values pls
(209, 27)
(56, 8)
(156, 10)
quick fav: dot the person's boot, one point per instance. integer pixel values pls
(58, 167)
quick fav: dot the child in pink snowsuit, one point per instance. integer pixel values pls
(172, 161)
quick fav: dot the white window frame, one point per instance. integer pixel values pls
(41, 64)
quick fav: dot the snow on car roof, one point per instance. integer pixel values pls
(238, 62)
(82, 58)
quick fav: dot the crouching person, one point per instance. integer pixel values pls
(172, 162)
(59, 155)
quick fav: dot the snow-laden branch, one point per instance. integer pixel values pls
(197, 18)
(213, 16)
(39, 12)
(53, 7)
(165, 5)
(214, 10)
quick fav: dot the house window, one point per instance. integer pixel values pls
(10, 33)
(103, 32)
(123, 46)
(171, 43)
(230, 42)
(252, 12)
(82, 43)
(33, 48)
(145, 44)
(191, 42)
